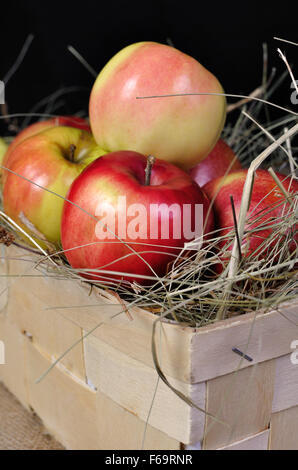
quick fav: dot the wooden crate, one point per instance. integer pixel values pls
(105, 390)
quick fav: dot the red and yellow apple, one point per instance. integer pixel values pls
(32, 129)
(220, 161)
(179, 129)
(129, 229)
(266, 208)
(51, 159)
(3, 149)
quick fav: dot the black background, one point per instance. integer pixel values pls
(226, 37)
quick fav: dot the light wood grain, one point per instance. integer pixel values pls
(66, 406)
(12, 373)
(49, 331)
(267, 335)
(286, 384)
(258, 442)
(284, 430)
(119, 429)
(137, 388)
(242, 400)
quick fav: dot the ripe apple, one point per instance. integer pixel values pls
(181, 129)
(220, 161)
(52, 159)
(3, 149)
(70, 121)
(266, 207)
(154, 220)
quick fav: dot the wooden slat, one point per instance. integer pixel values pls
(268, 336)
(286, 384)
(48, 330)
(242, 400)
(284, 430)
(136, 387)
(119, 429)
(258, 442)
(66, 406)
(12, 373)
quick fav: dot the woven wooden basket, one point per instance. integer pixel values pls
(102, 393)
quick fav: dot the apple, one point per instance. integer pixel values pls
(70, 121)
(152, 217)
(3, 149)
(266, 208)
(181, 129)
(52, 159)
(220, 161)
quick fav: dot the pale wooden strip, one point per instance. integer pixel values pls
(135, 386)
(257, 442)
(121, 430)
(12, 373)
(66, 406)
(284, 430)
(48, 330)
(242, 400)
(270, 336)
(286, 384)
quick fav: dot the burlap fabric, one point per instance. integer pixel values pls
(19, 429)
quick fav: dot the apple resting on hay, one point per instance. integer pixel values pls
(153, 216)
(52, 159)
(267, 206)
(181, 129)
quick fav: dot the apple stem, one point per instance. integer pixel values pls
(148, 169)
(72, 149)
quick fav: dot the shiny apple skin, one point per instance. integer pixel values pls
(3, 150)
(112, 176)
(42, 159)
(265, 204)
(32, 129)
(220, 161)
(180, 129)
